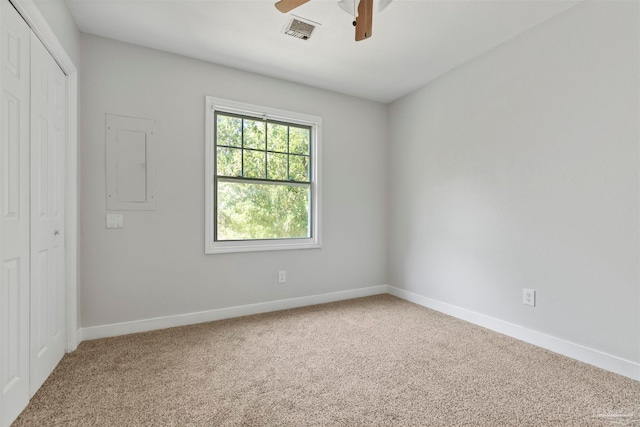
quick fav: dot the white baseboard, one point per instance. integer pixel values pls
(145, 325)
(579, 352)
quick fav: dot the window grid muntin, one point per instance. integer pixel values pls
(266, 144)
(288, 182)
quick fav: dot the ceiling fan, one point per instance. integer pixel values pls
(361, 10)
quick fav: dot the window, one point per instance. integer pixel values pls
(263, 178)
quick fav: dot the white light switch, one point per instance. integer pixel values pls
(115, 220)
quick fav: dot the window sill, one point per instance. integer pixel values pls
(260, 245)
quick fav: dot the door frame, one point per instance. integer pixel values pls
(34, 18)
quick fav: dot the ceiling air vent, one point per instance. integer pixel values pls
(299, 29)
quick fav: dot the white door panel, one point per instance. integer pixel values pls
(48, 278)
(32, 214)
(14, 213)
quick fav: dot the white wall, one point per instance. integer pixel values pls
(520, 169)
(155, 266)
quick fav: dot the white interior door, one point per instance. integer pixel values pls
(48, 275)
(14, 214)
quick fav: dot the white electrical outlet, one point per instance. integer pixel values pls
(282, 276)
(529, 297)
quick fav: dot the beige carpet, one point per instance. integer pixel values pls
(377, 361)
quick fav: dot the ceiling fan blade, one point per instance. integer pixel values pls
(364, 21)
(285, 6)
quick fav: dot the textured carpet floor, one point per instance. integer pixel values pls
(376, 361)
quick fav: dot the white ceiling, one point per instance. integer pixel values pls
(413, 41)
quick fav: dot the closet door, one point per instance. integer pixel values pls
(14, 214)
(48, 275)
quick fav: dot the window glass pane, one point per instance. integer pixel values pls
(277, 166)
(254, 134)
(248, 211)
(277, 137)
(254, 166)
(229, 161)
(299, 168)
(229, 131)
(298, 140)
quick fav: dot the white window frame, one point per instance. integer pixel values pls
(212, 246)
